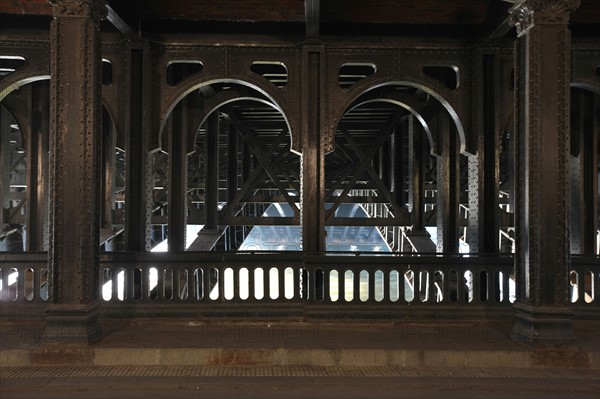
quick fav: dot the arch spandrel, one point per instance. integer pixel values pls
(37, 66)
(398, 67)
(422, 117)
(417, 108)
(338, 99)
(116, 93)
(19, 114)
(232, 64)
(456, 101)
(287, 98)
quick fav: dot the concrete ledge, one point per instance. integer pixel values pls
(126, 356)
(15, 357)
(550, 358)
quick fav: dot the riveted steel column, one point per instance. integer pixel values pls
(75, 109)
(211, 184)
(37, 169)
(108, 168)
(543, 76)
(6, 164)
(232, 176)
(137, 186)
(397, 183)
(313, 157)
(232, 161)
(448, 186)
(177, 180)
(484, 167)
(416, 178)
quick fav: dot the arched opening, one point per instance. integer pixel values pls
(585, 170)
(112, 185)
(13, 160)
(25, 150)
(226, 160)
(396, 179)
(24, 123)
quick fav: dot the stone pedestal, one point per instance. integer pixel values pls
(72, 324)
(540, 324)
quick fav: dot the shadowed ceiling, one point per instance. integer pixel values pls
(292, 17)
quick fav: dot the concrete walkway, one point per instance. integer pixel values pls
(154, 358)
(296, 382)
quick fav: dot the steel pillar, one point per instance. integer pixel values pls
(6, 164)
(232, 161)
(177, 172)
(232, 178)
(484, 166)
(75, 109)
(416, 192)
(448, 186)
(108, 168)
(313, 156)
(542, 95)
(211, 184)
(137, 159)
(37, 162)
(396, 175)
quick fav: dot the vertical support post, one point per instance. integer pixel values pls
(75, 109)
(397, 166)
(543, 76)
(108, 166)
(5, 162)
(37, 176)
(232, 176)
(177, 177)
(484, 167)
(448, 186)
(313, 156)
(232, 161)
(136, 156)
(211, 184)
(416, 178)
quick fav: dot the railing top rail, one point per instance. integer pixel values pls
(263, 257)
(291, 256)
(30, 257)
(586, 260)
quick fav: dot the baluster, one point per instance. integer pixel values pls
(236, 283)
(595, 286)
(371, 285)
(356, 284)
(36, 284)
(341, 285)
(505, 287)
(221, 282)
(251, 284)
(281, 282)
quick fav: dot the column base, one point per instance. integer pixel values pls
(546, 324)
(72, 324)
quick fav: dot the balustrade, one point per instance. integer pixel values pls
(386, 281)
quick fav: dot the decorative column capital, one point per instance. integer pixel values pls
(95, 9)
(521, 17)
(526, 13)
